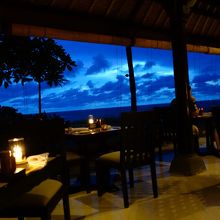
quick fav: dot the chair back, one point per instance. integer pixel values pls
(40, 135)
(167, 124)
(216, 117)
(45, 135)
(139, 137)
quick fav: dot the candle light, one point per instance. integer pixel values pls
(91, 122)
(17, 148)
(17, 153)
(90, 119)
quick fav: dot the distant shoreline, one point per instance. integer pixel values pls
(114, 112)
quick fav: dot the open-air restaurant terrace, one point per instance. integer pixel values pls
(157, 163)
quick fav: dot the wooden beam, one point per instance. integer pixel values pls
(61, 19)
(205, 13)
(29, 30)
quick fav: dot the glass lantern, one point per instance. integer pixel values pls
(91, 122)
(17, 148)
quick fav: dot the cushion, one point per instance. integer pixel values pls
(34, 201)
(113, 157)
(71, 156)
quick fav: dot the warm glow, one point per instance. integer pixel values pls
(90, 119)
(17, 153)
(17, 148)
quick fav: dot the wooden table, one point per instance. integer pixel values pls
(92, 143)
(205, 121)
(24, 180)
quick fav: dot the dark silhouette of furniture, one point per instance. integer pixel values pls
(39, 202)
(75, 161)
(139, 134)
(42, 136)
(87, 146)
(216, 117)
(167, 128)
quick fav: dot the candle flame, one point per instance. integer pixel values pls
(17, 153)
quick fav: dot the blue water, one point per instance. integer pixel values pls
(80, 115)
(105, 113)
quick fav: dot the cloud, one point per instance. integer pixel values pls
(148, 75)
(143, 67)
(138, 67)
(149, 64)
(108, 94)
(207, 84)
(205, 77)
(90, 84)
(17, 90)
(154, 85)
(99, 64)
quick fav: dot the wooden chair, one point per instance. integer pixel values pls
(216, 118)
(39, 202)
(74, 160)
(167, 128)
(138, 140)
(42, 136)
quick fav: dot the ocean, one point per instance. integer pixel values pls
(114, 112)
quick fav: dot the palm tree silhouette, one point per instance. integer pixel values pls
(33, 58)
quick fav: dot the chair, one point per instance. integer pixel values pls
(167, 128)
(42, 136)
(74, 160)
(138, 140)
(39, 202)
(216, 118)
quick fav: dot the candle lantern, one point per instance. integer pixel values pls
(91, 122)
(17, 148)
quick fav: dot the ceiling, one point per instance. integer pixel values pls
(142, 23)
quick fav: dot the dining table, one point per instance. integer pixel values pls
(25, 177)
(91, 143)
(204, 122)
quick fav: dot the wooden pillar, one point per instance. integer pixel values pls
(185, 161)
(131, 79)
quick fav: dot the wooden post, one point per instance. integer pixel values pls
(185, 161)
(131, 79)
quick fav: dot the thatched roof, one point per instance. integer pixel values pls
(142, 23)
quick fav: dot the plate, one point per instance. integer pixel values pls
(82, 132)
(21, 162)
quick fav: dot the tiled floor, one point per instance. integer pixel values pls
(180, 197)
(194, 197)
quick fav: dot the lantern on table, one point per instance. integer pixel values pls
(91, 122)
(17, 148)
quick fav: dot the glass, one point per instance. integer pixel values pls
(17, 148)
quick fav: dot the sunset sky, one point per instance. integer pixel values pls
(99, 80)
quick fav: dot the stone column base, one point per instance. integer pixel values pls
(187, 165)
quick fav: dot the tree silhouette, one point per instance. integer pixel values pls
(32, 58)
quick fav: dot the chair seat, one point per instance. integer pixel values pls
(113, 157)
(72, 156)
(36, 201)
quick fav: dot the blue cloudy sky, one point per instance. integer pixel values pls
(99, 80)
